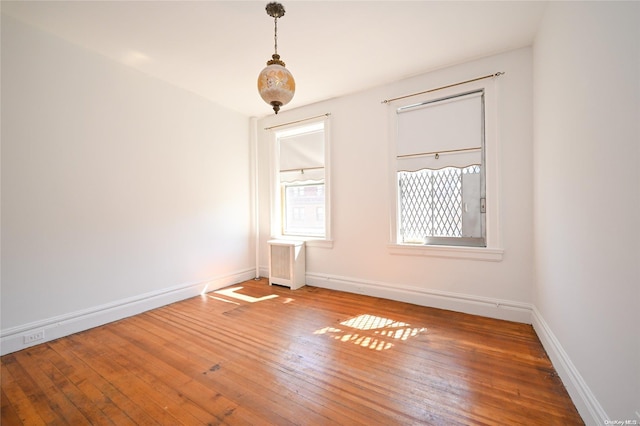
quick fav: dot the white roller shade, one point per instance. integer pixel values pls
(452, 128)
(302, 157)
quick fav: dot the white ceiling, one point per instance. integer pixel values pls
(217, 48)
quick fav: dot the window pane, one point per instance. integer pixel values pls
(304, 209)
(440, 203)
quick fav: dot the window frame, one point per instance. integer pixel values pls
(493, 250)
(277, 201)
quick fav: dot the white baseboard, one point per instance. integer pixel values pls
(13, 339)
(470, 304)
(264, 271)
(585, 401)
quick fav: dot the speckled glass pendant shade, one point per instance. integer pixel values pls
(275, 83)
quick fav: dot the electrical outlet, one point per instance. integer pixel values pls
(33, 337)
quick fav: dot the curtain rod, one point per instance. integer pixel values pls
(302, 169)
(499, 73)
(298, 121)
(437, 153)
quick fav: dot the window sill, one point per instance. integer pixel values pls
(309, 241)
(452, 252)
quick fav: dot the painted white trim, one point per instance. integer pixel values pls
(470, 253)
(12, 339)
(466, 303)
(585, 401)
(309, 241)
(255, 219)
(264, 271)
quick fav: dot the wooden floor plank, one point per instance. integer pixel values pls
(16, 406)
(269, 354)
(42, 372)
(172, 379)
(87, 351)
(9, 414)
(256, 354)
(74, 397)
(111, 362)
(258, 388)
(41, 404)
(85, 379)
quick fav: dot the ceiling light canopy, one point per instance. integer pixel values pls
(275, 83)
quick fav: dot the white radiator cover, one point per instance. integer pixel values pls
(287, 263)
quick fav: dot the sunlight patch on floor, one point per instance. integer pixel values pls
(221, 299)
(232, 292)
(379, 333)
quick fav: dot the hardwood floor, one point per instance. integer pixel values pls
(256, 354)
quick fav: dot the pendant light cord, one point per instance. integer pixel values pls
(275, 34)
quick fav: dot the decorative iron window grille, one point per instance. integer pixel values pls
(431, 203)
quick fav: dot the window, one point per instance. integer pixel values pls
(440, 171)
(301, 192)
(444, 174)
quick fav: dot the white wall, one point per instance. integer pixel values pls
(587, 199)
(360, 260)
(115, 186)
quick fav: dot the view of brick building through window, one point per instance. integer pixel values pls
(304, 205)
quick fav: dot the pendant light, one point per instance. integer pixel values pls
(275, 83)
